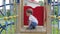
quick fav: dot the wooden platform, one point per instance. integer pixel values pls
(38, 29)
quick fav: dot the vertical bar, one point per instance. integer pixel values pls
(53, 6)
(11, 7)
(0, 30)
(16, 7)
(53, 19)
(18, 1)
(5, 14)
(55, 25)
(6, 23)
(51, 13)
(48, 1)
(58, 15)
(4, 7)
(17, 10)
(11, 13)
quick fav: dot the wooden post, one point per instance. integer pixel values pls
(18, 27)
(48, 18)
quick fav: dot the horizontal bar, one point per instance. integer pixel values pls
(10, 17)
(55, 5)
(54, 2)
(6, 5)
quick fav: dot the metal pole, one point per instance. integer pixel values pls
(5, 14)
(11, 13)
(58, 15)
(16, 10)
(51, 13)
(53, 32)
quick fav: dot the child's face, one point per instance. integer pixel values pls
(28, 14)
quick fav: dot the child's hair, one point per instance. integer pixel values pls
(29, 11)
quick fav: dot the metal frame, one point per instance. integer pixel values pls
(57, 4)
(4, 27)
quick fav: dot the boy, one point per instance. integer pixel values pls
(33, 22)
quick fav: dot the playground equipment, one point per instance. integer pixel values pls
(11, 18)
(4, 26)
(6, 19)
(55, 26)
(53, 16)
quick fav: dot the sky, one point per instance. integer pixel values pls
(7, 1)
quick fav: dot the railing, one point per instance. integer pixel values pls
(55, 16)
(9, 22)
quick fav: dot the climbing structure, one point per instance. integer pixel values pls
(55, 15)
(8, 17)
